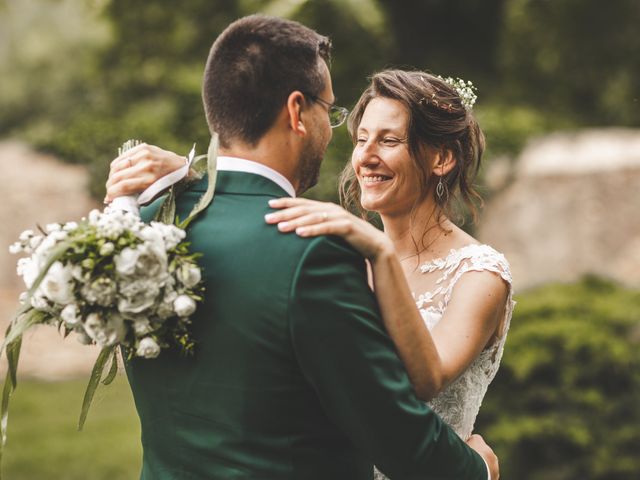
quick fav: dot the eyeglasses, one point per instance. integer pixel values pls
(337, 115)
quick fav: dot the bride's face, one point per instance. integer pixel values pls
(388, 178)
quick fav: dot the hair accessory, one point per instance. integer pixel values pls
(466, 90)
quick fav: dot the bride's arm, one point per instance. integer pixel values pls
(434, 359)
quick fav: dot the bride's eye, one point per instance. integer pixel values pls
(390, 141)
(361, 140)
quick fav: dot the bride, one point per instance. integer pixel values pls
(417, 150)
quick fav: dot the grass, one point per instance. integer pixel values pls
(44, 443)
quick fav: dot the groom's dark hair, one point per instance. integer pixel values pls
(253, 66)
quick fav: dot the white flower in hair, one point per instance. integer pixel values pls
(466, 90)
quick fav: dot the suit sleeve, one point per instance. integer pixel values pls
(346, 355)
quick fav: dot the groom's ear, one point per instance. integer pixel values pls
(295, 105)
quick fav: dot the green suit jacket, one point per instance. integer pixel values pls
(294, 376)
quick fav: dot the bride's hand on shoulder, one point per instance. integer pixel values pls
(138, 168)
(310, 218)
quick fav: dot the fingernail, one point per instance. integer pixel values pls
(283, 225)
(273, 201)
(301, 231)
(269, 216)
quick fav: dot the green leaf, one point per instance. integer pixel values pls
(21, 323)
(205, 200)
(94, 381)
(113, 370)
(10, 383)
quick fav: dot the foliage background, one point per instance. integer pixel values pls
(81, 76)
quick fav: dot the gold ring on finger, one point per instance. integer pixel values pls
(325, 216)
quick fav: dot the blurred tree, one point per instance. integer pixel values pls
(574, 58)
(78, 84)
(565, 403)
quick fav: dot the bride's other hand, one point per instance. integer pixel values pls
(480, 446)
(310, 218)
(137, 169)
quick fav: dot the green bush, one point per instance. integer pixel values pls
(566, 401)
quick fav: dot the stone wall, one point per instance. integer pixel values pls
(573, 209)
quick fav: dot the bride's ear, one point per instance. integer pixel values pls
(294, 107)
(444, 162)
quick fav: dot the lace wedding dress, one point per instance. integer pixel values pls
(458, 404)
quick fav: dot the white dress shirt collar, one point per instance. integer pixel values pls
(235, 164)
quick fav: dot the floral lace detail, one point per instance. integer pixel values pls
(458, 404)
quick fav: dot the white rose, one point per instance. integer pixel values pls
(184, 305)
(57, 284)
(70, 226)
(142, 327)
(148, 348)
(70, 314)
(137, 296)
(189, 275)
(107, 249)
(126, 261)
(105, 334)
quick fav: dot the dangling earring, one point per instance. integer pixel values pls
(440, 188)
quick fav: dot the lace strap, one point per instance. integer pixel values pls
(475, 258)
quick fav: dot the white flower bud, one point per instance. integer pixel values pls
(189, 275)
(26, 235)
(94, 216)
(84, 339)
(148, 348)
(70, 226)
(15, 248)
(142, 327)
(70, 315)
(107, 249)
(184, 306)
(53, 227)
(35, 241)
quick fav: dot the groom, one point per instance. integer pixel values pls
(294, 377)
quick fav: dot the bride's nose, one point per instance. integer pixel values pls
(366, 155)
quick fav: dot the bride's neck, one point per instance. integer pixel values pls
(414, 232)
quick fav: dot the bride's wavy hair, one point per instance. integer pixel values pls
(439, 120)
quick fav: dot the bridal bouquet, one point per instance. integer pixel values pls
(113, 280)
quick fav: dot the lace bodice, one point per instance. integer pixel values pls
(458, 404)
